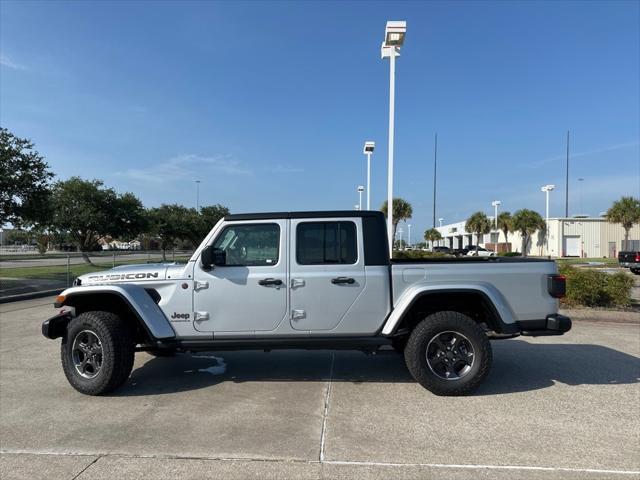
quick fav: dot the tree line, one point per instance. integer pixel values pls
(85, 212)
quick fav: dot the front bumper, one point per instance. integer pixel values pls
(55, 327)
(554, 324)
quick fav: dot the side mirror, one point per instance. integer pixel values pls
(211, 256)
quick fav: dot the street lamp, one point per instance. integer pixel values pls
(495, 205)
(400, 231)
(546, 189)
(440, 220)
(368, 150)
(197, 194)
(394, 34)
(360, 190)
(409, 235)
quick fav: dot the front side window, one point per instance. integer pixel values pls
(326, 243)
(250, 245)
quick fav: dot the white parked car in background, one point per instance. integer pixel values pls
(480, 252)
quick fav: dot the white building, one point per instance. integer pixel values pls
(568, 237)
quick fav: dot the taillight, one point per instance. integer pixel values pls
(557, 285)
(637, 257)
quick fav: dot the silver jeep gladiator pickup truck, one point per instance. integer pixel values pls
(306, 280)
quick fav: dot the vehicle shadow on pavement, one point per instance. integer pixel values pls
(518, 366)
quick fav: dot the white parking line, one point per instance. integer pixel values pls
(326, 408)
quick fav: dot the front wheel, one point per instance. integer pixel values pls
(448, 354)
(97, 352)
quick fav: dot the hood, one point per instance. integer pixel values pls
(125, 273)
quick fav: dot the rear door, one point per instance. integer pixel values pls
(327, 271)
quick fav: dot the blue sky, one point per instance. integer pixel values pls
(269, 103)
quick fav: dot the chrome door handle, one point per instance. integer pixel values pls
(343, 280)
(266, 282)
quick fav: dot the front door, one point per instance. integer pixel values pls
(327, 271)
(249, 293)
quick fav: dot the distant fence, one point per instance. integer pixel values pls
(28, 273)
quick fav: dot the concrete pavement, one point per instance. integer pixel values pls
(553, 407)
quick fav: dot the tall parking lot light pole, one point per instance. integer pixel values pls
(546, 189)
(409, 235)
(394, 34)
(360, 190)
(368, 151)
(197, 194)
(495, 205)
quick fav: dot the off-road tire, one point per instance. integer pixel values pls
(415, 353)
(118, 351)
(635, 271)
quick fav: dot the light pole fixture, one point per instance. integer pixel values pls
(440, 220)
(400, 232)
(197, 194)
(495, 204)
(368, 151)
(546, 189)
(394, 34)
(360, 190)
(409, 235)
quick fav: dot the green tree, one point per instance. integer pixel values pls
(432, 235)
(88, 211)
(527, 222)
(506, 226)
(402, 210)
(625, 211)
(172, 223)
(24, 180)
(479, 224)
(207, 218)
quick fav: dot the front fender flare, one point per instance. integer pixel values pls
(504, 314)
(136, 297)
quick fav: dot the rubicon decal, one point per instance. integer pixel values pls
(123, 276)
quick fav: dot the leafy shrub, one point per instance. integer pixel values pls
(590, 287)
(415, 254)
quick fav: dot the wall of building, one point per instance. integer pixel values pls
(586, 237)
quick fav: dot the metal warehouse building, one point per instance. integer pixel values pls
(568, 237)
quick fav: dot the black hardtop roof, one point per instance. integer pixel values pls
(319, 214)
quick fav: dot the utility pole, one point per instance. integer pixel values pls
(435, 171)
(566, 187)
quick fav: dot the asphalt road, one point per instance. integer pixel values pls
(553, 407)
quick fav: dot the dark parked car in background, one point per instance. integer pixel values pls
(630, 260)
(442, 249)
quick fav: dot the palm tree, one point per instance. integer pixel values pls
(432, 235)
(402, 210)
(527, 222)
(627, 212)
(505, 225)
(479, 224)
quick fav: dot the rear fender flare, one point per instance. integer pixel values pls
(504, 315)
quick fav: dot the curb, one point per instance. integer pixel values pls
(30, 295)
(589, 315)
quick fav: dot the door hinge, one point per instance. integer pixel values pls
(200, 316)
(298, 314)
(297, 282)
(200, 285)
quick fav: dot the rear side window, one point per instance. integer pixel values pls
(326, 243)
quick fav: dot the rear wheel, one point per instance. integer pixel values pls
(97, 352)
(448, 353)
(635, 271)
